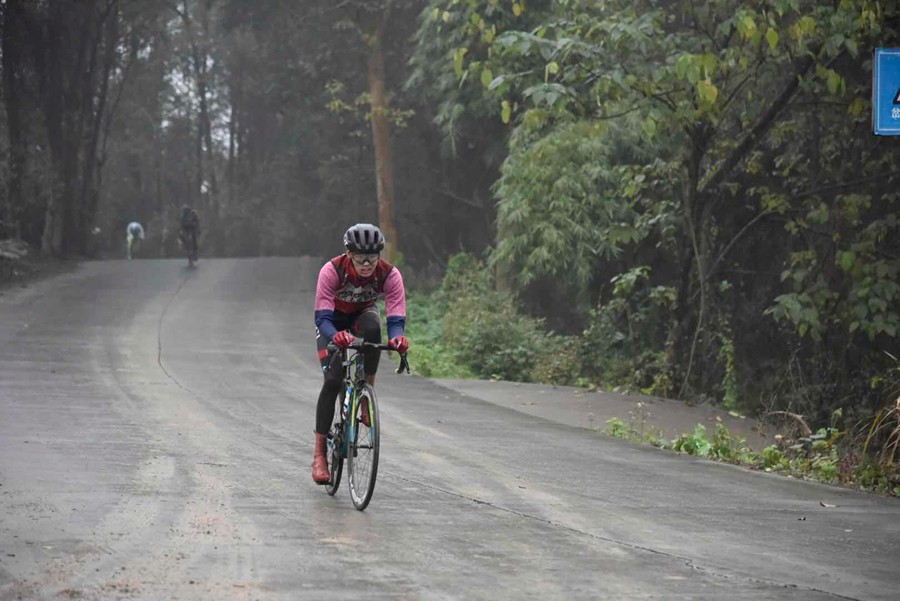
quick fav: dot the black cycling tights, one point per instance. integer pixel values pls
(367, 324)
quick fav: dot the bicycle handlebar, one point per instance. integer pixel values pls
(362, 344)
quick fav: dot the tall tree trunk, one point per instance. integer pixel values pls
(13, 56)
(162, 206)
(384, 165)
(205, 119)
(79, 82)
(69, 78)
(54, 116)
(91, 161)
(693, 216)
(232, 141)
(207, 190)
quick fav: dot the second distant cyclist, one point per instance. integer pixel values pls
(190, 232)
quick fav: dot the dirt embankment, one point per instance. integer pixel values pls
(21, 264)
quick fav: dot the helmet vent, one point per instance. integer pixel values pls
(364, 237)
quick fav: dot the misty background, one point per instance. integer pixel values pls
(679, 199)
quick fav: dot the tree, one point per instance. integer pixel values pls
(14, 66)
(65, 56)
(694, 132)
(374, 22)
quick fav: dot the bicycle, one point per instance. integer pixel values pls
(356, 434)
(188, 240)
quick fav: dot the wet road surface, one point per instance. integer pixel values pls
(155, 440)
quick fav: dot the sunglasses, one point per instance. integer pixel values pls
(364, 259)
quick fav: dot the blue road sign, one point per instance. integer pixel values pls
(886, 92)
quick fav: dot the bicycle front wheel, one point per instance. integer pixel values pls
(334, 450)
(362, 452)
(335, 460)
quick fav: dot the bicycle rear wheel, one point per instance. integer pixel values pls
(362, 452)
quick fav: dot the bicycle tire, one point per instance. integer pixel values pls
(334, 451)
(191, 247)
(362, 452)
(335, 464)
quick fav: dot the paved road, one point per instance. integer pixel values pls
(155, 428)
(664, 419)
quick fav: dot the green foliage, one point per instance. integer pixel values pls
(429, 355)
(730, 448)
(701, 139)
(618, 428)
(567, 205)
(492, 341)
(452, 65)
(881, 442)
(773, 459)
(634, 431)
(851, 286)
(722, 447)
(467, 296)
(695, 443)
(730, 382)
(872, 476)
(557, 360)
(716, 142)
(288, 135)
(817, 456)
(820, 457)
(622, 332)
(487, 332)
(358, 110)
(471, 329)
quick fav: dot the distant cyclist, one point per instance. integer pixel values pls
(189, 231)
(346, 292)
(134, 232)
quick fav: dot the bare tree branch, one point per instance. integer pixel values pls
(762, 126)
(462, 199)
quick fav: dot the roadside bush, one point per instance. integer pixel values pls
(11, 254)
(558, 361)
(472, 329)
(429, 355)
(483, 326)
(622, 328)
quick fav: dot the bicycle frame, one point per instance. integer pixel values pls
(189, 243)
(353, 366)
(342, 439)
(354, 379)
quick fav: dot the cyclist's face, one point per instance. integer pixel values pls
(364, 263)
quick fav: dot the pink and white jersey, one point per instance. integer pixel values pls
(340, 288)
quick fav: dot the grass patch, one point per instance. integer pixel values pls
(429, 355)
(469, 328)
(829, 455)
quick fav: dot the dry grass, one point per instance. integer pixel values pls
(882, 441)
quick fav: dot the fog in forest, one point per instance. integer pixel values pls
(683, 201)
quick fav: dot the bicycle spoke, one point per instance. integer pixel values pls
(356, 437)
(362, 462)
(335, 452)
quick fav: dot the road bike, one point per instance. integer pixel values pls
(189, 242)
(356, 433)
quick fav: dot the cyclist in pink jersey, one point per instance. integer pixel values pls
(346, 292)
